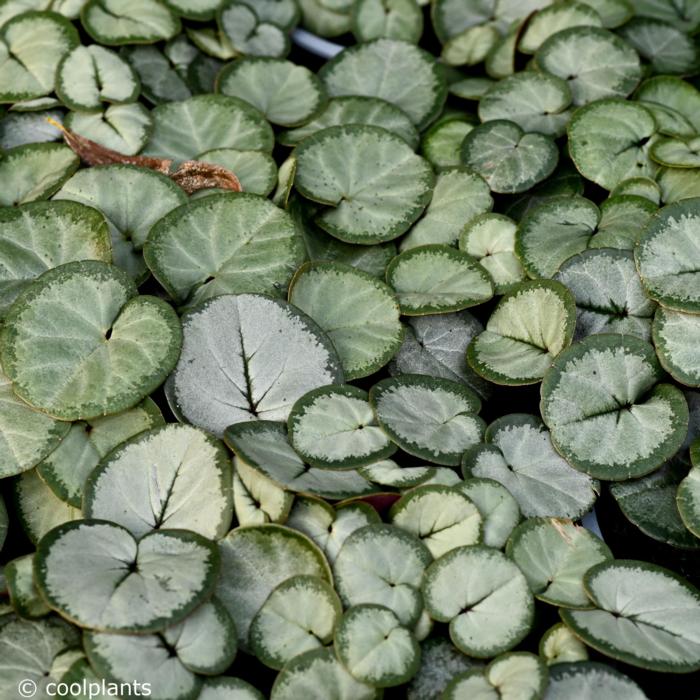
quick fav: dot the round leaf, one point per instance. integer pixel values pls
(668, 258)
(285, 93)
(359, 313)
(97, 574)
(609, 141)
(434, 419)
(248, 356)
(375, 199)
(123, 345)
(509, 159)
(183, 130)
(483, 596)
(645, 616)
(379, 69)
(223, 244)
(173, 477)
(608, 417)
(298, 616)
(334, 428)
(437, 279)
(595, 62)
(530, 326)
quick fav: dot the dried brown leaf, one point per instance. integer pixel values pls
(191, 176)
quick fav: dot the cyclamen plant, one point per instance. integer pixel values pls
(311, 371)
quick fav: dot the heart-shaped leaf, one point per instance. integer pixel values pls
(254, 561)
(160, 80)
(116, 22)
(609, 141)
(608, 416)
(595, 62)
(378, 197)
(490, 238)
(519, 454)
(31, 44)
(458, 197)
(298, 616)
(516, 674)
(183, 130)
(329, 527)
(383, 565)
(441, 517)
(645, 615)
(555, 18)
(554, 555)
(432, 418)
(362, 321)
(127, 343)
(122, 128)
(97, 574)
(433, 279)
(608, 293)
(379, 69)
(667, 48)
(374, 647)
(530, 326)
(534, 101)
(223, 244)
(172, 477)
(287, 94)
(39, 236)
(248, 356)
(334, 428)
(484, 597)
(248, 34)
(398, 19)
(509, 159)
(91, 75)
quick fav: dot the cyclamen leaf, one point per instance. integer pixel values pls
(126, 343)
(88, 569)
(173, 477)
(608, 416)
(645, 615)
(219, 380)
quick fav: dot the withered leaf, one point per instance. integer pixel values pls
(191, 176)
